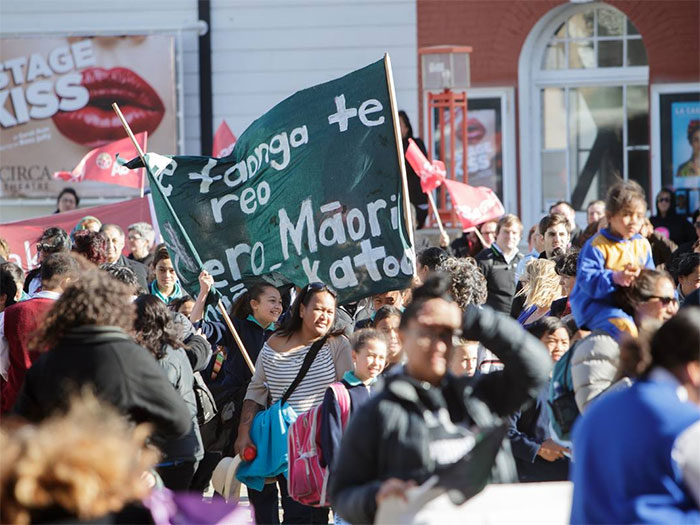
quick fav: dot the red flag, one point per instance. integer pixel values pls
(224, 140)
(474, 205)
(101, 165)
(431, 173)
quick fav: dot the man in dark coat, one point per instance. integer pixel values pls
(115, 245)
(499, 262)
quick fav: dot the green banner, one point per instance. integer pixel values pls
(313, 191)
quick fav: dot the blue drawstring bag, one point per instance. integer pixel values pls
(269, 433)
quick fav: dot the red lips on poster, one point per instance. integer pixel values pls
(96, 124)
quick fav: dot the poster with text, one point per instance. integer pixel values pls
(484, 143)
(685, 122)
(55, 106)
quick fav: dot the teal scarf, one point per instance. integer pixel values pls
(177, 292)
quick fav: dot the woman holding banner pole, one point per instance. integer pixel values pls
(277, 366)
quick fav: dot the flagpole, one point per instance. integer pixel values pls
(118, 111)
(399, 152)
(227, 319)
(236, 337)
(478, 234)
(431, 200)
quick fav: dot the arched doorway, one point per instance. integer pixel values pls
(583, 107)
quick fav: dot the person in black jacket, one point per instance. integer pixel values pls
(679, 229)
(498, 263)
(415, 192)
(88, 331)
(427, 418)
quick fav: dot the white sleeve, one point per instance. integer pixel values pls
(686, 454)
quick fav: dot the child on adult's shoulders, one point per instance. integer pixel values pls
(611, 260)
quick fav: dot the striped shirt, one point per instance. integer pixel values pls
(275, 371)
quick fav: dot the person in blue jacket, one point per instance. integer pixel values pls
(636, 456)
(537, 456)
(612, 259)
(369, 350)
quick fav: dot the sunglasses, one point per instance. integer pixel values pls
(662, 299)
(319, 287)
(663, 199)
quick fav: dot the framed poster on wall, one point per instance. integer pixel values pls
(675, 122)
(490, 142)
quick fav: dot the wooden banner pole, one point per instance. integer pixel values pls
(125, 124)
(224, 313)
(236, 337)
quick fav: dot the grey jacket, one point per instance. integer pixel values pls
(593, 367)
(177, 367)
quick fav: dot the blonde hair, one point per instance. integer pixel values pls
(540, 283)
(86, 462)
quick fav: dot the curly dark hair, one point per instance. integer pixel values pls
(94, 299)
(468, 282)
(125, 275)
(567, 263)
(91, 245)
(154, 326)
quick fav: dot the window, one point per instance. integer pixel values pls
(588, 90)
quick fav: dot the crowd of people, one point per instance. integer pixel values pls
(582, 353)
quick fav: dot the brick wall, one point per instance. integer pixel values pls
(497, 29)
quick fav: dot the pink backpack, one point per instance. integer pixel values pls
(307, 481)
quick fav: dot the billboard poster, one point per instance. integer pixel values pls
(484, 143)
(55, 106)
(685, 131)
(679, 134)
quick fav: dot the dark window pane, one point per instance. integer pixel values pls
(636, 53)
(610, 53)
(638, 168)
(631, 30)
(637, 115)
(610, 23)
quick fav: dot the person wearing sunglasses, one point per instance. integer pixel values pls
(679, 229)
(649, 300)
(636, 449)
(425, 419)
(280, 360)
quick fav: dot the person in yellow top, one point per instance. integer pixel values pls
(612, 259)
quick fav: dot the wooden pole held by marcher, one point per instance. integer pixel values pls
(480, 237)
(236, 337)
(118, 111)
(227, 319)
(431, 200)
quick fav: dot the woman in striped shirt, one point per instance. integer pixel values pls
(278, 363)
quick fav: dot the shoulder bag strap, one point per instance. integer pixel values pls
(310, 356)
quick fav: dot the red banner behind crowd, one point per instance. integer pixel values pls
(21, 236)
